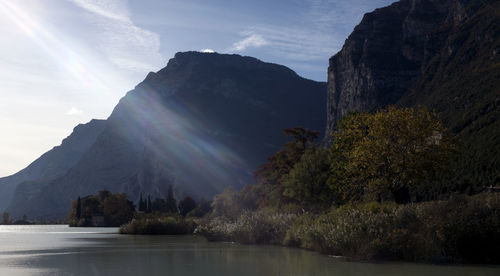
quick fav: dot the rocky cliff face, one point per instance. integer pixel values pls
(53, 163)
(439, 54)
(201, 124)
(385, 53)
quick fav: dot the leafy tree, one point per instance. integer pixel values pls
(91, 206)
(253, 197)
(103, 195)
(171, 204)
(117, 210)
(186, 205)
(306, 182)
(5, 218)
(388, 154)
(280, 164)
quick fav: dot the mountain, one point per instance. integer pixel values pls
(201, 124)
(439, 54)
(53, 163)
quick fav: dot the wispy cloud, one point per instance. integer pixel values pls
(316, 34)
(110, 9)
(207, 51)
(124, 44)
(74, 111)
(251, 40)
(296, 43)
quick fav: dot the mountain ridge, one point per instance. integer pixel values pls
(202, 123)
(54, 162)
(439, 55)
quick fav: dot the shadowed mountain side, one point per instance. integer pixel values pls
(51, 164)
(439, 54)
(461, 82)
(201, 124)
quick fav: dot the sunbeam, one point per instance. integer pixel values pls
(51, 44)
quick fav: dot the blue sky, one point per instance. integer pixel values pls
(64, 62)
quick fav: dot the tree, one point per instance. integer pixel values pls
(202, 208)
(388, 154)
(277, 166)
(283, 161)
(306, 182)
(5, 218)
(117, 210)
(186, 205)
(148, 205)
(171, 204)
(142, 204)
(159, 205)
(78, 208)
(103, 195)
(227, 204)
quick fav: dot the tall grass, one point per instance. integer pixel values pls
(462, 229)
(158, 224)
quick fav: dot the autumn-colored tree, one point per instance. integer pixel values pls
(391, 152)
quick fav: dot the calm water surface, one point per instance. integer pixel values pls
(60, 250)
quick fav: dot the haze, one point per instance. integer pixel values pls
(65, 62)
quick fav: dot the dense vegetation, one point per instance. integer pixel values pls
(103, 209)
(460, 229)
(461, 81)
(382, 190)
(158, 224)
(165, 217)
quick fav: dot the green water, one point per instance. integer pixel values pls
(60, 250)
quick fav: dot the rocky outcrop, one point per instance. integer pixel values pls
(384, 55)
(201, 124)
(439, 54)
(51, 164)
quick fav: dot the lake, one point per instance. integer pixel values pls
(60, 250)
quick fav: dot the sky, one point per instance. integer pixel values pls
(65, 62)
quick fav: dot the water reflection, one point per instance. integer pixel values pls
(36, 250)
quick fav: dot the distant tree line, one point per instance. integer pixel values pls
(7, 220)
(186, 207)
(107, 209)
(102, 209)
